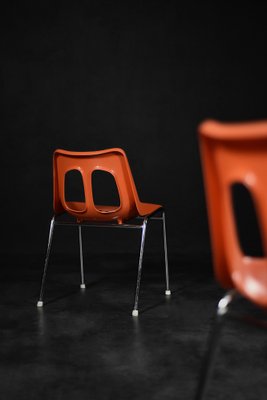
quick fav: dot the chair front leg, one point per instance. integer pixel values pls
(139, 273)
(82, 285)
(209, 359)
(50, 238)
(167, 291)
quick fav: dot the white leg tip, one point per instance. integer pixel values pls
(167, 292)
(82, 286)
(135, 313)
(40, 304)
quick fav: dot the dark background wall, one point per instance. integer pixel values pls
(89, 75)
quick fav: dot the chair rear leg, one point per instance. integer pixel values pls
(209, 359)
(50, 238)
(82, 285)
(139, 273)
(167, 291)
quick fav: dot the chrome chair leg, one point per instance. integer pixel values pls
(135, 310)
(82, 285)
(213, 345)
(50, 238)
(167, 291)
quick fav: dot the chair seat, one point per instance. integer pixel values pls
(148, 208)
(144, 208)
(250, 279)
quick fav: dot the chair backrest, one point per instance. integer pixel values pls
(113, 161)
(233, 153)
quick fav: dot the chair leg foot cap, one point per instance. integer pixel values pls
(167, 292)
(40, 304)
(82, 286)
(135, 313)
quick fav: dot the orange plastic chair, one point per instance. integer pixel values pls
(233, 153)
(87, 213)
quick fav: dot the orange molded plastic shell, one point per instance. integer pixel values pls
(113, 161)
(235, 153)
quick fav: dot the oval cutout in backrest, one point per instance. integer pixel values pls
(246, 220)
(104, 188)
(74, 190)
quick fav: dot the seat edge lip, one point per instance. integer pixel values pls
(245, 130)
(88, 153)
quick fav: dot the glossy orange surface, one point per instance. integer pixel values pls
(235, 153)
(113, 161)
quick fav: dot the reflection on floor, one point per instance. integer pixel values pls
(86, 345)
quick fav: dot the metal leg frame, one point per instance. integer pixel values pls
(143, 237)
(50, 238)
(82, 285)
(213, 345)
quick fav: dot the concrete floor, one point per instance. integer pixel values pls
(86, 345)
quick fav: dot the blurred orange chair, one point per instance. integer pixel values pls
(87, 213)
(234, 153)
